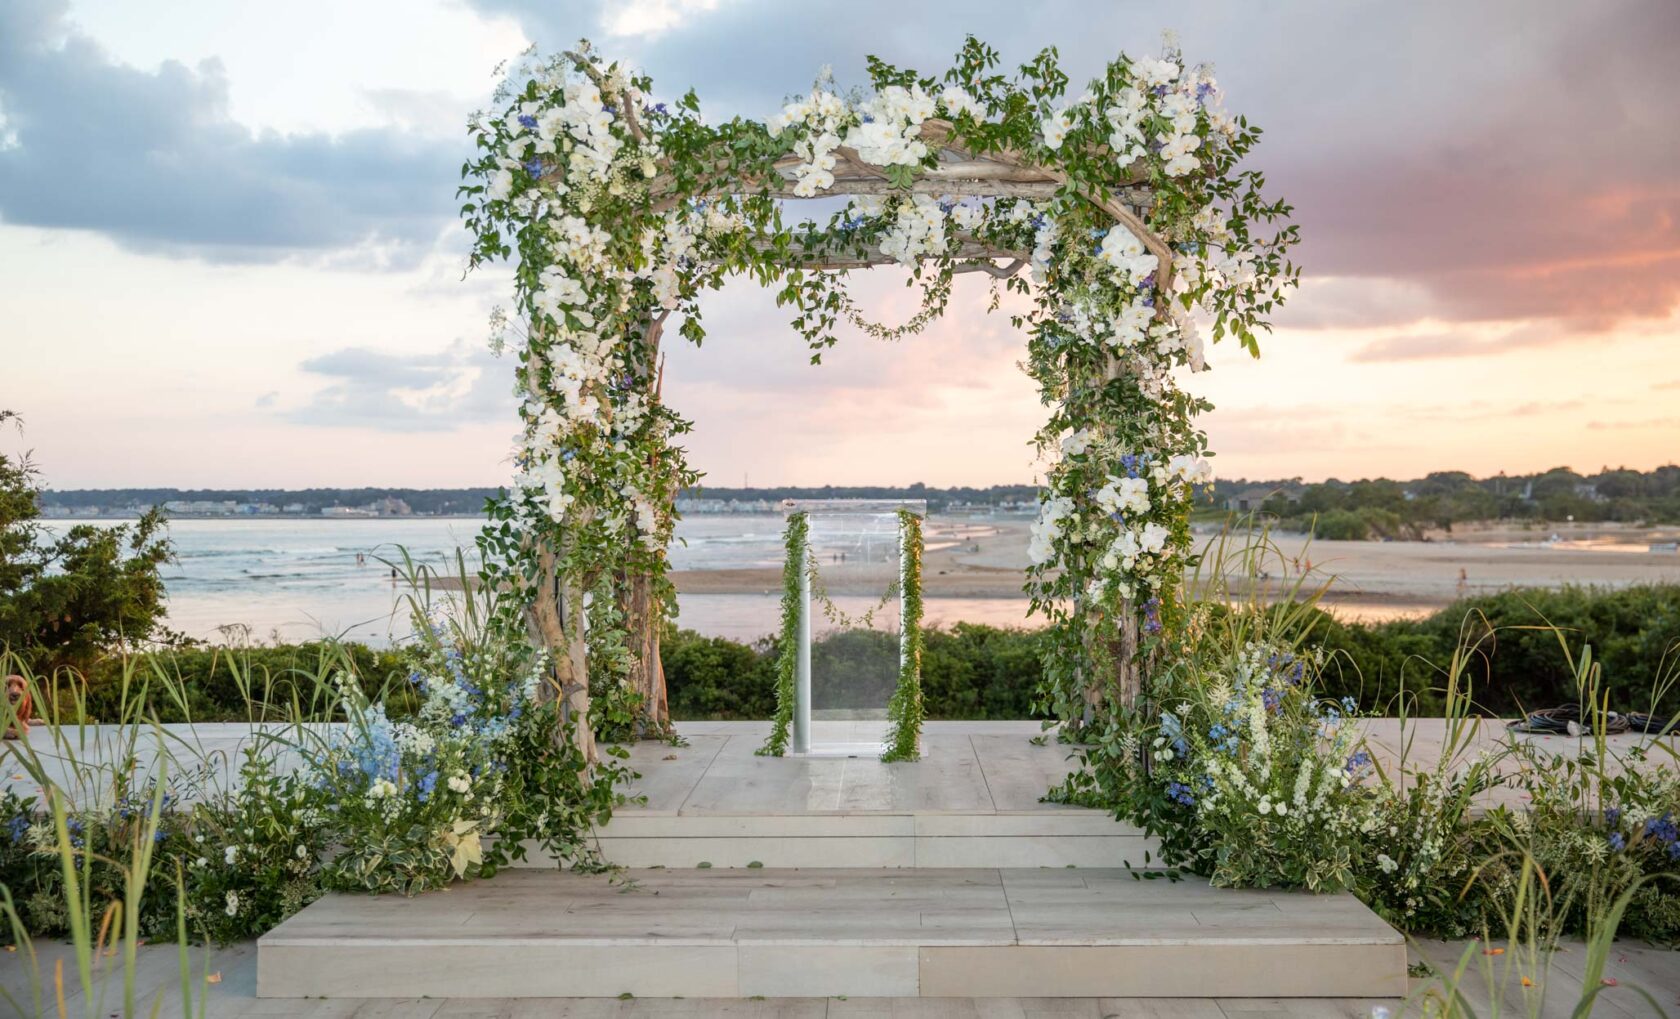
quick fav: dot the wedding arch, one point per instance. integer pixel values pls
(1119, 215)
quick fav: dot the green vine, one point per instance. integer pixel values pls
(905, 708)
(795, 540)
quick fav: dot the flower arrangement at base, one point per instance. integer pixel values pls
(253, 857)
(1596, 833)
(1253, 780)
(415, 803)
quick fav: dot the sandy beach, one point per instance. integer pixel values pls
(987, 558)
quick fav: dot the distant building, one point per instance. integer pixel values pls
(200, 507)
(1250, 500)
(340, 512)
(700, 507)
(390, 506)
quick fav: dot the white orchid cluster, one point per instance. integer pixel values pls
(915, 226)
(888, 131)
(884, 130)
(823, 115)
(1124, 252)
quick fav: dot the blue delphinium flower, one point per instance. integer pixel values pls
(1612, 816)
(527, 120)
(1173, 729)
(1360, 760)
(376, 753)
(1663, 829)
(1151, 615)
(1179, 793)
(1617, 842)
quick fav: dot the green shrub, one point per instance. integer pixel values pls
(219, 684)
(969, 671)
(1634, 633)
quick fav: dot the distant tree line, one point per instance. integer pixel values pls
(1382, 508)
(435, 501)
(472, 500)
(938, 499)
(1367, 508)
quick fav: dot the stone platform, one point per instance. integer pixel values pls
(973, 933)
(973, 800)
(829, 876)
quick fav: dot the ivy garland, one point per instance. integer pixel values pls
(620, 211)
(794, 544)
(904, 711)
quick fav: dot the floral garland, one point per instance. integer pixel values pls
(794, 541)
(904, 711)
(621, 210)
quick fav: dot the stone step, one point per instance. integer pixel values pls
(819, 933)
(1067, 837)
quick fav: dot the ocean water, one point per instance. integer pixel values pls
(294, 578)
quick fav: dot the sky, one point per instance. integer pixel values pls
(229, 254)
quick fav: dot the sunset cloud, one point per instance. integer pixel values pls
(1487, 194)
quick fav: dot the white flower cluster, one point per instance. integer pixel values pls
(889, 127)
(1125, 118)
(1122, 250)
(822, 114)
(916, 227)
(1133, 552)
(1053, 513)
(1055, 128)
(1124, 496)
(578, 133)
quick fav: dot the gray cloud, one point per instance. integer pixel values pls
(1511, 159)
(153, 159)
(464, 383)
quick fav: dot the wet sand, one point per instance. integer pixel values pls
(987, 558)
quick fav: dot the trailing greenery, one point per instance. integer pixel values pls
(796, 551)
(904, 709)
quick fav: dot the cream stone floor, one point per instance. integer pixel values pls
(854, 932)
(1634, 968)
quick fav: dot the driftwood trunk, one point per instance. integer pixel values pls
(558, 619)
(1125, 682)
(644, 613)
(643, 620)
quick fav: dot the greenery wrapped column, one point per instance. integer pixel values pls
(904, 709)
